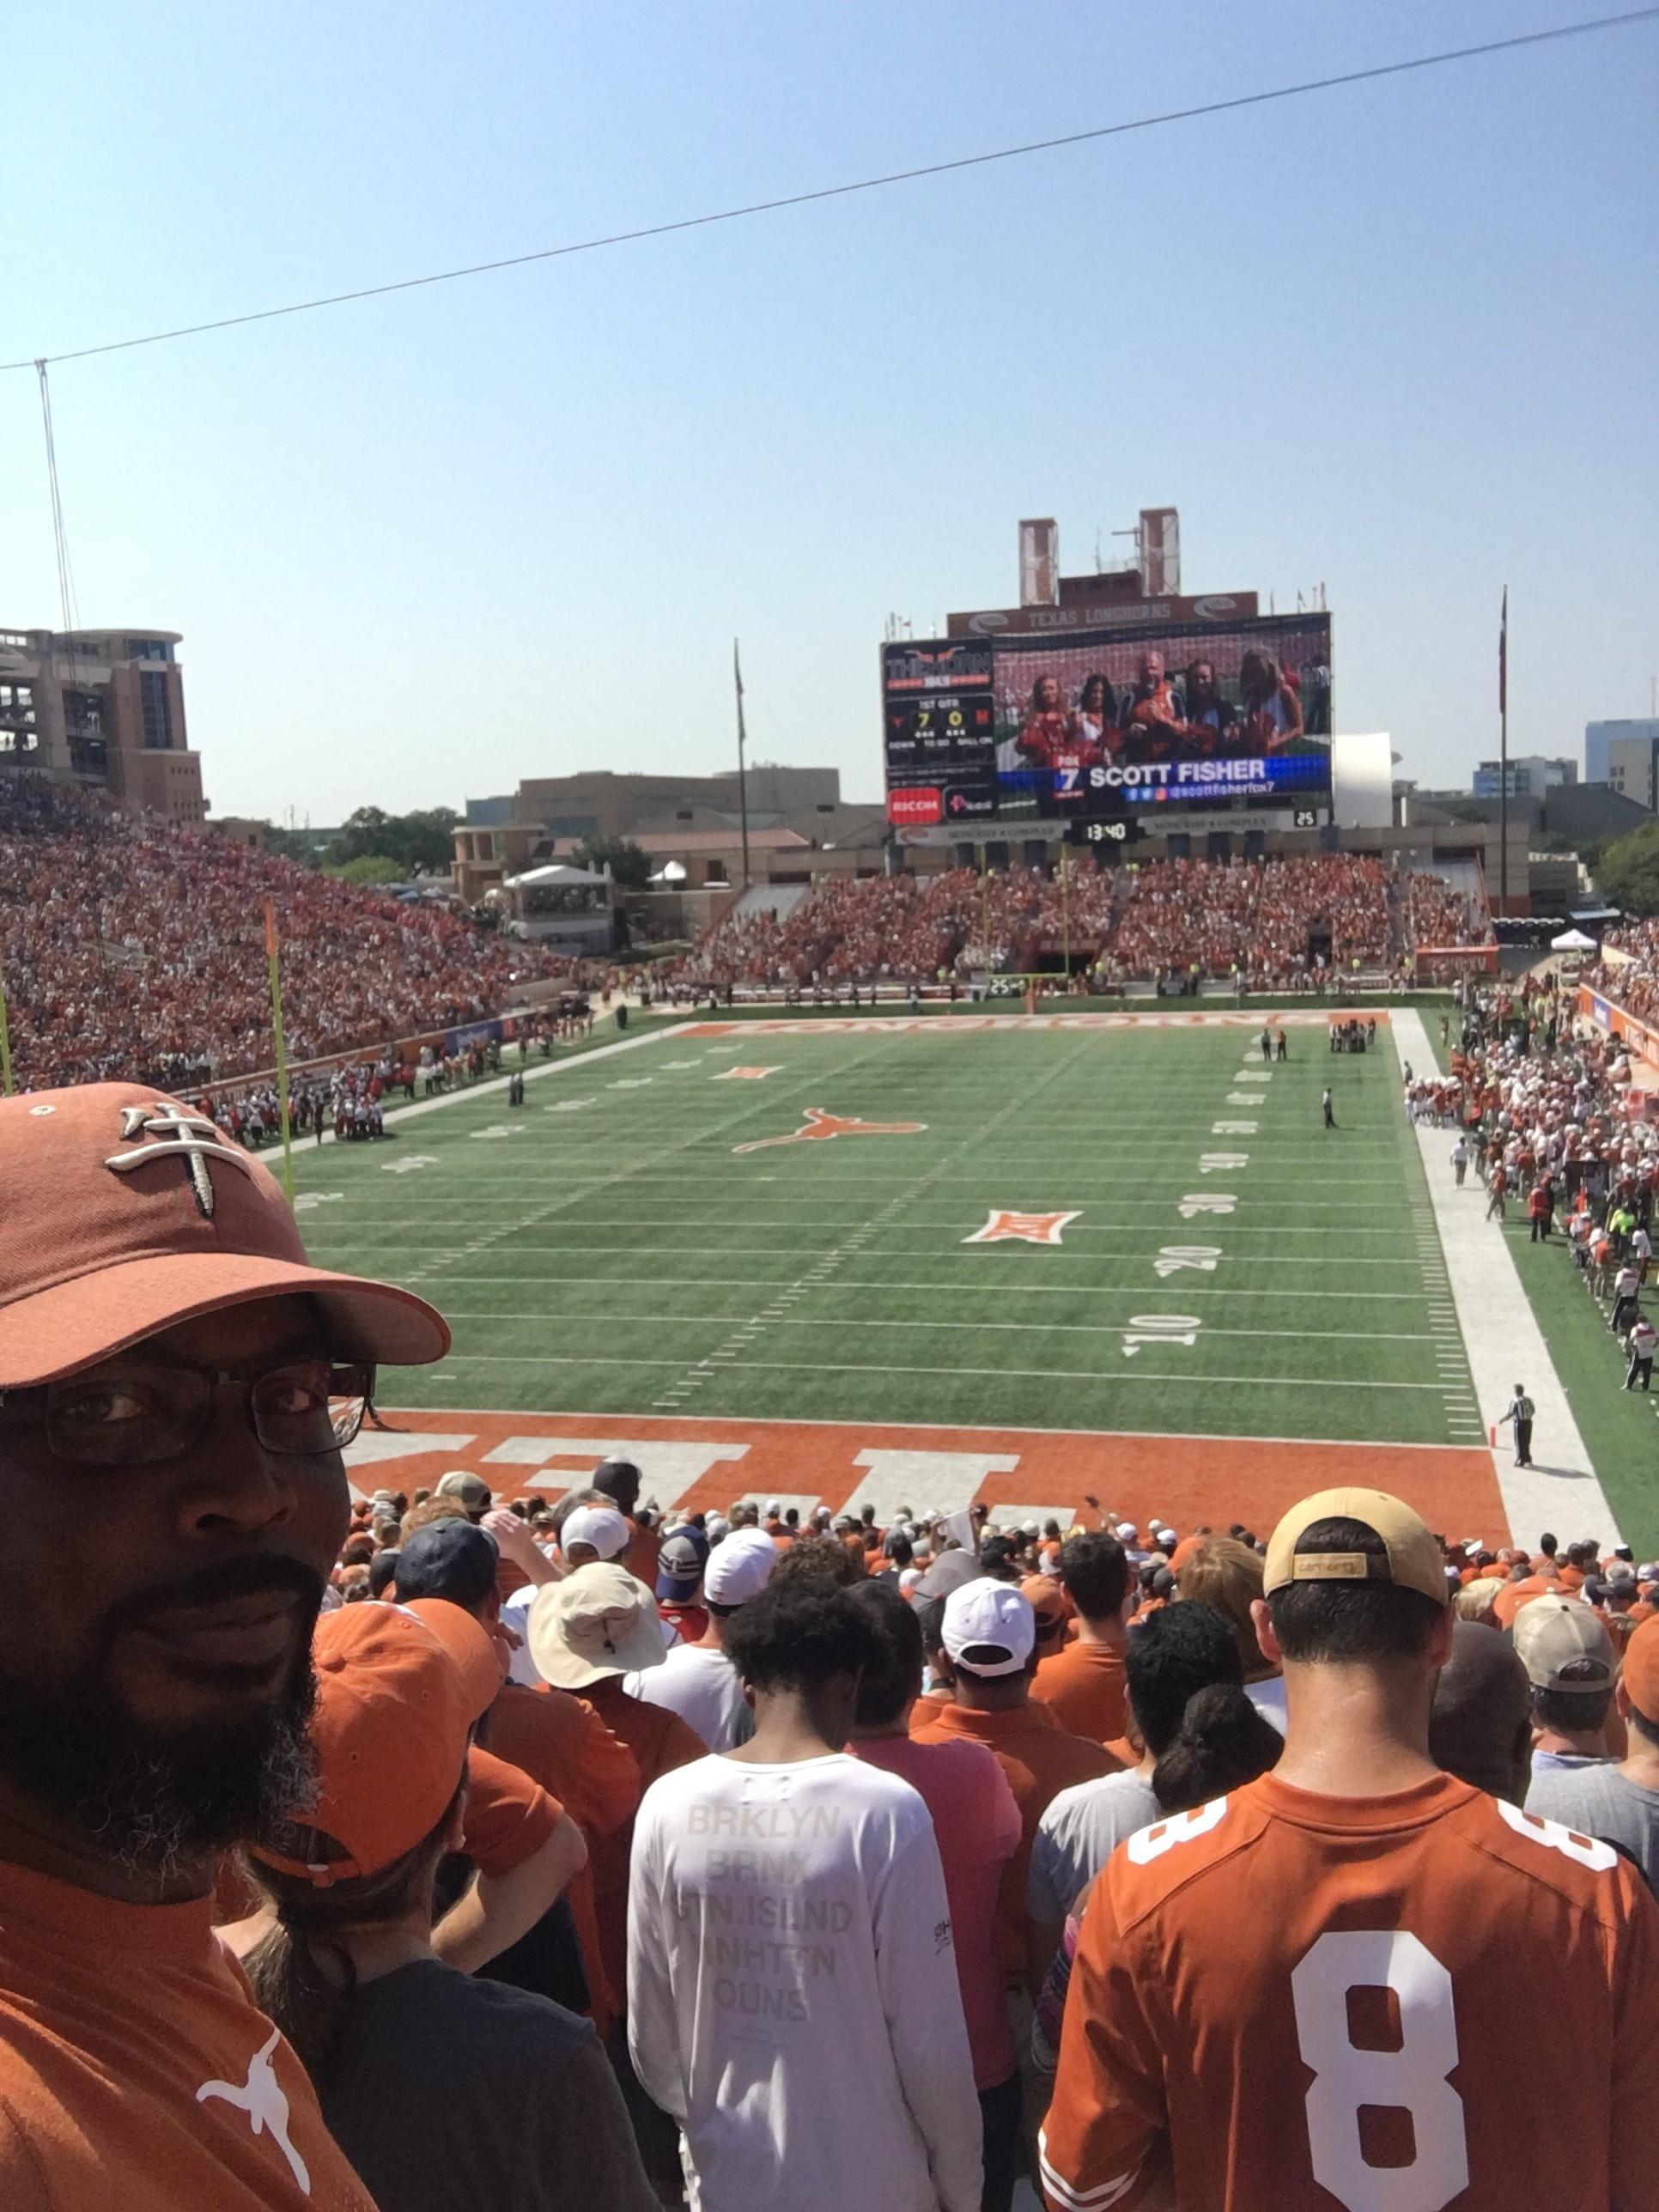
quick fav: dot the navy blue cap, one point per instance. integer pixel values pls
(449, 1559)
(681, 1561)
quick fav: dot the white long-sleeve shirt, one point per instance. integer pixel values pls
(792, 1992)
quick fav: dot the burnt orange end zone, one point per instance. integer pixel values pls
(706, 1463)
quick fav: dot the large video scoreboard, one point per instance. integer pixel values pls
(1107, 723)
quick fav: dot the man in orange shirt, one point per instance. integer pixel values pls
(1322, 1989)
(1082, 1684)
(177, 1383)
(990, 1636)
(622, 1482)
(555, 1738)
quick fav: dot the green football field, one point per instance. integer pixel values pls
(1227, 1267)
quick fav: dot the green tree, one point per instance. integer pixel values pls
(367, 868)
(413, 842)
(1629, 871)
(627, 862)
(294, 845)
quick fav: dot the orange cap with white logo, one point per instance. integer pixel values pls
(123, 1212)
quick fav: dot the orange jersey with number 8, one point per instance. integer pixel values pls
(1390, 2004)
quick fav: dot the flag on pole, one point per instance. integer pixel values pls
(274, 963)
(1503, 656)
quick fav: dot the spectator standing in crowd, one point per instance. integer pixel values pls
(1480, 1725)
(1626, 1285)
(1639, 1343)
(1082, 1684)
(1541, 1205)
(1497, 1184)
(1225, 1572)
(1298, 2051)
(1176, 1652)
(557, 1739)
(976, 1826)
(698, 1680)
(444, 2089)
(680, 1564)
(154, 1652)
(1618, 1801)
(1568, 1655)
(1518, 1414)
(586, 1633)
(793, 1995)
(621, 1481)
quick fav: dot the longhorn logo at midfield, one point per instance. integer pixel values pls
(819, 1126)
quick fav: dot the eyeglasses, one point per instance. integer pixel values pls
(111, 1419)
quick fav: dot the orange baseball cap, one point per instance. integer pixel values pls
(126, 1212)
(1048, 1600)
(390, 1732)
(1642, 1670)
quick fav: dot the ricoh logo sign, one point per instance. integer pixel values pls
(914, 807)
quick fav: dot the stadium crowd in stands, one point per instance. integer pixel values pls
(1633, 981)
(578, 1855)
(130, 947)
(1274, 922)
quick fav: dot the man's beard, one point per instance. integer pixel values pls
(159, 1801)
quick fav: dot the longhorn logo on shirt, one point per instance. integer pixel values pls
(261, 2097)
(820, 1126)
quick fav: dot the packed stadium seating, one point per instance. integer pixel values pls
(1271, 920)
(130, 948)
(1634, 982)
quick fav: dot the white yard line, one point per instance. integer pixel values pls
(1505, 1344)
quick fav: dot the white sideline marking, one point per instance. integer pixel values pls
(1505, 1343)
(749, 1328)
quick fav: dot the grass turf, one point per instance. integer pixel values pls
(605, 1250)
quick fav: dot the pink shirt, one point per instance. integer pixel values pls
(977, 1827)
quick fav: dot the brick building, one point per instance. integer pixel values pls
(104, 710)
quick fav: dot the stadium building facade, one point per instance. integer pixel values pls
(102, 709)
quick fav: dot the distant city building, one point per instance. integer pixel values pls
(1599, 736)
(1633, 762)
(104, 710)
(1529, 776)
(694, 819)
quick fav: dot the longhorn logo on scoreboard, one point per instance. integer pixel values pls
(820, 1126)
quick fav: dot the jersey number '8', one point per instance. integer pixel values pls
(1412, 2078)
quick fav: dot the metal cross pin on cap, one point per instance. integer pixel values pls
(123, 1212)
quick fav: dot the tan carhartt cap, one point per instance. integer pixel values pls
(1412, 1561)
(123, 1212)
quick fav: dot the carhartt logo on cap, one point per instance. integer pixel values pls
(191, 1139)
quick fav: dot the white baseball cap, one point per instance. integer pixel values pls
(1126, 1532)
(989, 1627)
(740, 1568)
(600, 1527)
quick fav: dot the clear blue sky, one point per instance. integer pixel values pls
(1401, 338)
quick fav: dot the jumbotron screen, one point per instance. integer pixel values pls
(1105, 722)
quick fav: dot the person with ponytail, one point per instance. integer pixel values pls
(447, 2094)
(1223, 1742)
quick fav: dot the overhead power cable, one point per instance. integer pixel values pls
(1372, 76)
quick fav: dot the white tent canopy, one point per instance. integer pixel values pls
(1572, 941)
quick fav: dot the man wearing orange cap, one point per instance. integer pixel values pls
(427, 2075)
(1312, 1992)
(176, 1385)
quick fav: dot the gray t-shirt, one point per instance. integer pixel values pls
(451, 2094)
(1078, 1833)
(1596, 1800)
